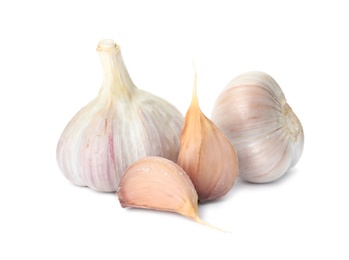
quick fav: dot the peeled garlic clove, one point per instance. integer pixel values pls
(206, 154)
(253, 113)
(159, 184)
(120, 126)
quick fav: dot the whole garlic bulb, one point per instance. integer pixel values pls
(268, 137)
(120, 126)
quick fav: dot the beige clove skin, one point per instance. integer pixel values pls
(253, 113)
(206, 154)
(160, 184)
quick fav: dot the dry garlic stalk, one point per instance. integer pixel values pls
(253, 113)
(206, 154)
(159, 184)
(120, 126)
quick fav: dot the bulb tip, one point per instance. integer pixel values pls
(107, 44)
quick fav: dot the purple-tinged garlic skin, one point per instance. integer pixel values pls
(120, 126)
(253, 114)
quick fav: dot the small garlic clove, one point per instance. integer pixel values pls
(160, 184)
(253, 113)
(157, 183)
(206, 154)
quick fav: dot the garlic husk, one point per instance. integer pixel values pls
(206, 154)
(159, 184)
(117, 128)
(253, 113)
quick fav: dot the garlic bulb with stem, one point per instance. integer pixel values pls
(206, 154)
(253, 113)
(117, 128)
(160, 184)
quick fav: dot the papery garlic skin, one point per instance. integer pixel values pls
(206, 154)
(253, 113)
(120, 126)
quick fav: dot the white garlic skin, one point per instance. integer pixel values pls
(120, 126)
(253, 114)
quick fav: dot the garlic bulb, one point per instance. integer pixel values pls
(253, 113)
(159, 184)
(206, 154)
(120, 126)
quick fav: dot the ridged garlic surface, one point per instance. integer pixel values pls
(160, 184)
(206, 154)
(268, 137)
(120, 126)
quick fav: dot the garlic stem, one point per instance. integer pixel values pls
(107, 44)
(116, 81)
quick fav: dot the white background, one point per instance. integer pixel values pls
(49, 69)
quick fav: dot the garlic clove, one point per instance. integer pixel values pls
(253, 113)
(157, 183)
(120, 126)
(160, 184)
(206, 154)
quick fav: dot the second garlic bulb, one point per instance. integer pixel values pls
(120, 126)
(268, 137)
